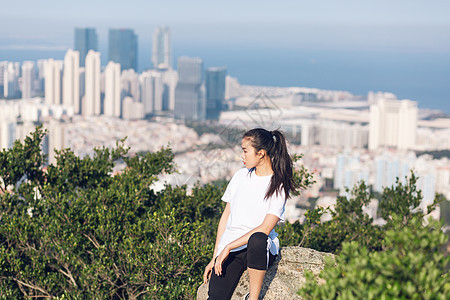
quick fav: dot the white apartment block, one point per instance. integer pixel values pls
(28, 79)
(52, 76)
(71, 80)
(112, 104)
(92, 105)
(152, 89)
(393, 123)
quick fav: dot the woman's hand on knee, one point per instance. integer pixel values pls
(208, 270)
(220, 259)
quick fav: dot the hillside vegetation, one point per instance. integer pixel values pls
(80, 230)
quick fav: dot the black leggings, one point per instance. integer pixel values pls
(255, 256)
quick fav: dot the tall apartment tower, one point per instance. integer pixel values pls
(122, 48)
(129, 81)
(170, 79)
(71, 80)
(11, 80)
(152, 91)
(28, 78)
(112, 104)
(190, 91)
(3, 65)
(162, 48)
(85, 40)
(215, 92)
(40, 79)
(8, 129)
(92, 105)
(52, 74)
(393, 123)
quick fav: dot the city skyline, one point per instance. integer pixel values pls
(400, 47)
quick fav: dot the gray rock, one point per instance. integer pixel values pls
(284, 278)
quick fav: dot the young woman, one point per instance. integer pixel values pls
(255, 198)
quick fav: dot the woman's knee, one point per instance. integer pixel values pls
(257, 240)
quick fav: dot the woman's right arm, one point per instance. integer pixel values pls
(220, 230)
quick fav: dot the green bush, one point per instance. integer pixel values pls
(289, 234)
(349, 222)
(76, 231)
(411, 266)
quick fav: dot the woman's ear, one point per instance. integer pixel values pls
(261, 153)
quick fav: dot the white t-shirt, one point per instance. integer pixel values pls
(248, 208)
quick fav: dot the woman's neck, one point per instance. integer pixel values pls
(264, 169)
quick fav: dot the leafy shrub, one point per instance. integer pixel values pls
(289, 234)
(349, 222)
(76, 231)
(411, 266)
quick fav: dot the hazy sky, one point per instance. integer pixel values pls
(381, 25)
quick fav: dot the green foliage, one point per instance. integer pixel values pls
(290, 234)
(23, 161)
(303, 179)
(411, 266)
(350, 223)
(445, 212)
(78, 231)
(408, 262)
(404, 200)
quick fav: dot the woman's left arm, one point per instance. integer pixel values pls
(266, 227)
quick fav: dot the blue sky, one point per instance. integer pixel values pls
(382, 25)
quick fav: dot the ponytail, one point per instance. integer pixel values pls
(274, 143)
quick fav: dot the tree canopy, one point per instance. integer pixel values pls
(77, 230)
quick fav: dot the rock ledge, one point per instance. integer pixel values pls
(284, 278)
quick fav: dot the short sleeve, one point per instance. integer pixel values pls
(277, 205)
(229, 192)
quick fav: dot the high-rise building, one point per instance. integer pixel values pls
(92, 104)
(190, 91)
(170, 79)
(232, 88)
(162, 48)
(7, 133)
(85, 40)
(52, 75)
(215, 92)
(112, 105)
(3, 65)
(11, 80)
(55, 139)
(129, 82)
(122, 48)
(71, 80)
(152, 90)
(40, 80)
(82, 87)
(28, 78)
(190, 70)
(393, 123)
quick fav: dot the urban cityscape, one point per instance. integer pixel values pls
(344, 138)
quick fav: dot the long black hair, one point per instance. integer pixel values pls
(274, 143)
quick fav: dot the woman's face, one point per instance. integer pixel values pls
(249, 156)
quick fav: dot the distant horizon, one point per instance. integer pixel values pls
(420, 77)
(400, 46)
